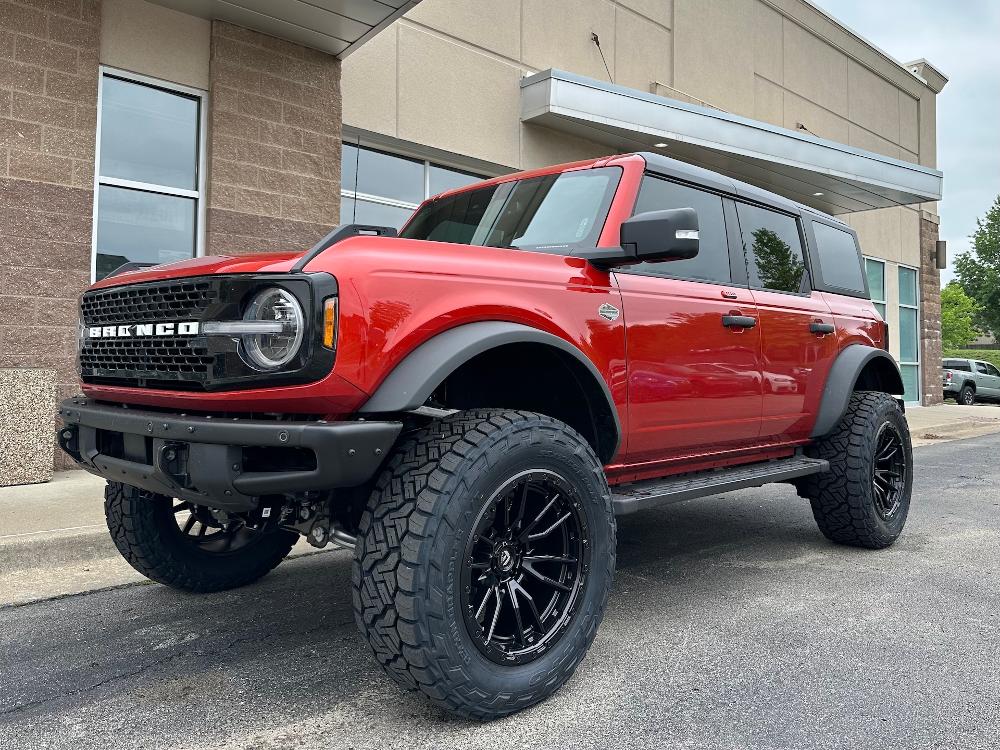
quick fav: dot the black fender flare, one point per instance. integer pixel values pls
(843, 378)
(413, 380)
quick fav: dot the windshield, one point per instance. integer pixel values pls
(548, 213)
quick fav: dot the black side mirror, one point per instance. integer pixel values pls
(657, 236)
(650, 237)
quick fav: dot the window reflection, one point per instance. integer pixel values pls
(148, 134)
(141, 227)
(777, 266)
(773, 247)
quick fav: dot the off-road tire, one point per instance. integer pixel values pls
(143, 528)
(966, 396)
(843, 499)
(410, 550)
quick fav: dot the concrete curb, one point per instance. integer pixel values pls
(60, 547)
(63, 547)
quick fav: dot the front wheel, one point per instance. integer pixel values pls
(188, 546)
(864, 498)
(485, 560)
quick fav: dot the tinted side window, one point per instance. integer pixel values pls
(712, 261)
(957, 364)
(981, 368)
(991, 370)
(773, 249)
(839, 262)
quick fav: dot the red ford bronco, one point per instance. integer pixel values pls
(470, 404)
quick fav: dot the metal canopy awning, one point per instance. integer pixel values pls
(827, 175)
(337, 27)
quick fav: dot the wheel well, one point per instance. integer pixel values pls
(969, 383)
(878, 375)
(535, 377)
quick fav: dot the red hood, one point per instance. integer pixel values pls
(212, 264)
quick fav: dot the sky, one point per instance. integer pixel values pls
(961, 38)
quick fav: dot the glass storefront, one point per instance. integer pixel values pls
(382, 188)
(149, 173)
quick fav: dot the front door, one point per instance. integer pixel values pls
(694, 383)
(798, 337)
(988, 379)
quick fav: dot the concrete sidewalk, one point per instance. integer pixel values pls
(53, 539)
(933, 424)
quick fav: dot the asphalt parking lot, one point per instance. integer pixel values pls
(733, 624)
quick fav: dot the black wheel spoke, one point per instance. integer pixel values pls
(520, 513)
(512, 591)
(529, 568)
(496, 616)
(549, 558)
(181, 506)
(482, 605)
(189, 524)
(525, 533)
(550, 529)
(531, 605)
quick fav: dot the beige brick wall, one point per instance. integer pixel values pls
(48, 116)
(274, 153)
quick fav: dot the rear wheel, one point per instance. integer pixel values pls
(485, 559)
(864, 498)
(188, 546)
(967, 396)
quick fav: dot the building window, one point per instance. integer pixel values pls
(909, 333)
(384, 189)
(876, 283)
(150, 172)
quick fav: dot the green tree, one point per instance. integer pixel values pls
(958, 312)
(978, 270)
(777, 266)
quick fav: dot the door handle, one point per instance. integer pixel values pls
(822, 328)
(738, 321)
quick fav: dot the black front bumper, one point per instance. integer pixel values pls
(210, 461)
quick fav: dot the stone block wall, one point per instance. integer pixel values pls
(930, 312)
(49, 52)
(274, 151)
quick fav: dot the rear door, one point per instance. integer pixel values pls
(797, 329)
(693, 382)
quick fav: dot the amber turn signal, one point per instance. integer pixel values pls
(330, 323)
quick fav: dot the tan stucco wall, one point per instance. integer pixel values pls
(448, 74)
(155, 41)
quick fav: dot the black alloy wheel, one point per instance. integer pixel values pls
(210, 533)
(188, 546)
(888, 470)
(525, 563)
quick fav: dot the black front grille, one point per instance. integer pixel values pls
(181, 300)
(162, 361)
(150, 356)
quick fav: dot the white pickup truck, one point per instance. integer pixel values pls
(967, 380)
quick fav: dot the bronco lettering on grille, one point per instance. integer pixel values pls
(133, 330)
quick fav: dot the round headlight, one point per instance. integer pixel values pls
(275, 348)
